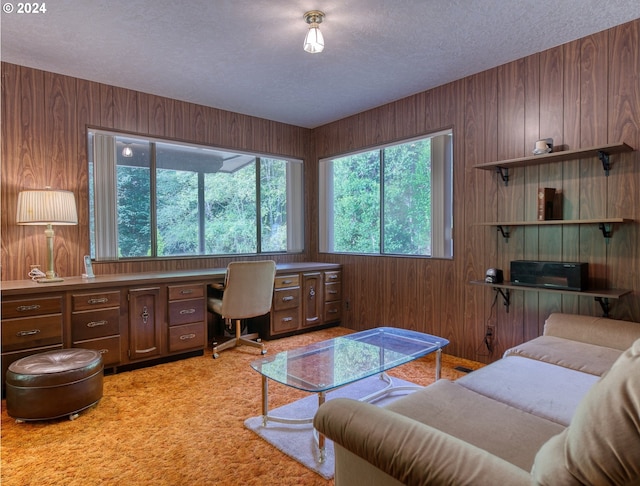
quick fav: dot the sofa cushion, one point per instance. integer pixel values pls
(496, 427)
(602, 443)
(588, 358)
(548, 391)
(601, 331)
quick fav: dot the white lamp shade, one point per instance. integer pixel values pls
(46, 206)
(314, 42)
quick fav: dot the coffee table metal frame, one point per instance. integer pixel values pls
(331, 364)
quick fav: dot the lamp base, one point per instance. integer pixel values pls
(50, 280)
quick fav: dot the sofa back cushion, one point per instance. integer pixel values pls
(602, 443)
(611, 333)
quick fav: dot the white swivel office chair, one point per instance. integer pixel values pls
(247, 292)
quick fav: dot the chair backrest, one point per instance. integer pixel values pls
(248, 290)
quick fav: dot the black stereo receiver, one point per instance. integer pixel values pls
(552, 275)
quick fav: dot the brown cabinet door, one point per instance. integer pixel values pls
(145, 323)
(312, 300)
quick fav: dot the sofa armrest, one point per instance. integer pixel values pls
(601, 331)
(410, 451)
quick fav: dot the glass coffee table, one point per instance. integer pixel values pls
(328, 365)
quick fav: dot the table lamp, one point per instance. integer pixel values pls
(47, 207)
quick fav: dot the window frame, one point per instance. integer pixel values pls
(441, 190)
(100, 239)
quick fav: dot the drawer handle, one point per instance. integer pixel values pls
(287, 319)
(186, 291)
(187, 311)
(333, 277)
(332, 311)
(333, 292)
(287, 281)
(25, 308)
(101, 300)
(312, 292)
(186, 337)
(288, 298)
(97, 323)
(27, 333)
(103, 351)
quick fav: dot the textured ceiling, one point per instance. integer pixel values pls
(246, 55)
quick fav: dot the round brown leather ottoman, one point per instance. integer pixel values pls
(54, 384)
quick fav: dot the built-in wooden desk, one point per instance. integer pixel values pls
(132, 318)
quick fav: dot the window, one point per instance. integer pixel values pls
(394, 200)
(154, 198)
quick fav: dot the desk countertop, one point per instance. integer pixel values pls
(17, 287)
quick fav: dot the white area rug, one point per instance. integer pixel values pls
(298, 441)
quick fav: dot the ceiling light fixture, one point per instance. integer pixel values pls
(314, 42)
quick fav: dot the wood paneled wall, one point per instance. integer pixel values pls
(583, 93)
(44, 143)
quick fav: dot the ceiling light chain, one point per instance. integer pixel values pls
(314, 41)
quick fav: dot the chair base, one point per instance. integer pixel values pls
(248, 340)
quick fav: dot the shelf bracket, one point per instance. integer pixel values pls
(606, 163)
(506, 297)
(604, 303)
(606, 229)
(504, 230)
(504, 174)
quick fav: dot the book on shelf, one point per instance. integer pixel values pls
(546, 196)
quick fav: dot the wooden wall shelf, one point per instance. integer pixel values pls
(604, 224)
(601, 296)
(600, 151)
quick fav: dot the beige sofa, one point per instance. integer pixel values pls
(562, 409)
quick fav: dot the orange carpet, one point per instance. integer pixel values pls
(178, 423)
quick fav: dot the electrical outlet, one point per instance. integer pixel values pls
(489, 338)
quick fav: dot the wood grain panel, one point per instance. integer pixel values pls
(453, 288)
(60, 144)
(511, 143)
(624, 181)
(88, 115)
(593, 186)
(10, 105)
(571, 169)
(533, 84)
(551, 126)
(30, 171)
(477, 239)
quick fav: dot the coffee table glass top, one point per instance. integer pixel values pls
(336, 362)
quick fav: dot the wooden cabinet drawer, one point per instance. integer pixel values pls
(108, 347)
(187, 336)
(96, 300)
(185, 311)
(332, 311)
(180, 292)
(31, 307)
(31, 332)
(286, 298)
(285, 320)
(284, 281)
(332, 276)
(332, 291)
(95, 324)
